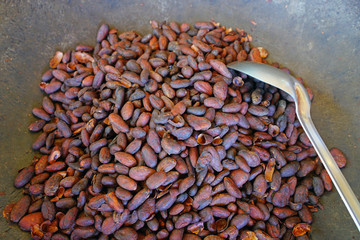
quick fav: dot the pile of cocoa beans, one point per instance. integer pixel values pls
(153, 137)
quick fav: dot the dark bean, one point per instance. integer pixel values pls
(20, 208)
(339, 157)
(290, 169)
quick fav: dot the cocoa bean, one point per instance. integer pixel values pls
(339, 157)
(20, 209)
(30, 220)
(140, 173)
(24, 176)
(156, 180)
(126, 183)
(126, 159)
(198, 123)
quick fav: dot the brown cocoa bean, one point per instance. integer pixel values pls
(250, 157)
(166, 165)
(220, 67)
(282, 197)
(240, 221)
(24, 176)
(66, 203)
(260, 185)
(108, 226)
(20, 208)
(339, 157)
(37, 125)
(30, 220)
(198, 123)
(220, 90)
(118, 124)
(186, 183)
(52, 184)
(126, 159)
(139, 198)
(213, 102)
(222, 199)
(126, 233)
(171, 146)
(113, 202)
(326, 180)
(204, 87)
(156, 180)
(127, 110)
(183, 220)
(126, 183)
(165, 202)
(231, 188)
(239, 177)
(226, 119)
(140, 173)
(301, 229)
(146, 209)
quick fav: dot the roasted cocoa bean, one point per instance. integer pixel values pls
(30, 220)
(156, 180)
(339, 157)
(126, 159)
(20, 209)
(24, 176)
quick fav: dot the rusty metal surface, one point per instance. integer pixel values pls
(318, 40)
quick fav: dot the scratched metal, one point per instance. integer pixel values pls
(317, 39)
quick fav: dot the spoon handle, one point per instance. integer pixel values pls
(338, 179)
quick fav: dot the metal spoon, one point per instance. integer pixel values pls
(296, 90)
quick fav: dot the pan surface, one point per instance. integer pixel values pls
(318, 40)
